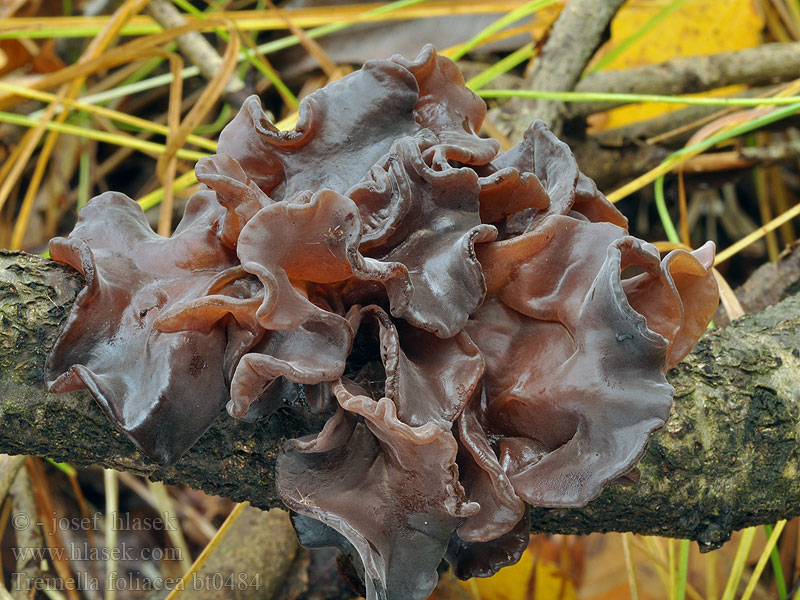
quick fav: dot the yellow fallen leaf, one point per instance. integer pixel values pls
(514, 583)
(698, 27)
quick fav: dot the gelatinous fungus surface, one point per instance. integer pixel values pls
(460, 313)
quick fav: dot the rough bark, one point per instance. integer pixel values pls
(728, 457)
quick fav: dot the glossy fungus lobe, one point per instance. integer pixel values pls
(462, 317)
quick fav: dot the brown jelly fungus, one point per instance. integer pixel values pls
(510, 363)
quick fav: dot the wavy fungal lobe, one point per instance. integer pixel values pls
(460, 314)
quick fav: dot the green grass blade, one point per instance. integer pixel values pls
(65, 468)
(683, 569)
(155, 197)
(663, 212)
(777, 567)
(631, 98)
(501, 66)
(500, 24)
(220, 122)
(737, 568)
(266, 48)
(84, 177)
(101, 136)
(674, 159)
(249, 55)
(762, 560)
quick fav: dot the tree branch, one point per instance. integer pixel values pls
(728, 457)
(764, 65)
(575, 36)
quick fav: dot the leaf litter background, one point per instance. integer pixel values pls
(52, 161)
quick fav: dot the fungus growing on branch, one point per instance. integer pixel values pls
(459, 314)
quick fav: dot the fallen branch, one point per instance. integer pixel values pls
(764, 65)
(609, 166)
(727, 458)
(196, 48)
(575, 36)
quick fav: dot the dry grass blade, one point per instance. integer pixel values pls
(92, 60)
(757, 234)
(311, 46)
(630, 569)
(122, 54)
(167, 162)
(694, 125)
(781, 202)
(111, 486)
(235, 513)
(72, 475)
(179, 131)
(765, 211)
(108, 113)
(41, 489)
(21, 223)
(254, 20)
(705, 137)
(729, 300)
(165, 506)
(683, 208)
(653, 549)
(9, 467)
(211, 93)
(93, 50)
(203, 525)
(12, 169)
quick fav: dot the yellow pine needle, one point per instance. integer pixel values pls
(745, 542)
(168, 162)
(155, 197)
(251, 20)
(101, 136)
(210, 547)
(762, 560)
(111, 485)
(495, 37)
(633, 584)
(756, 235)
(499, 24)
(70, 89)
(109, 113)
(311, 46)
